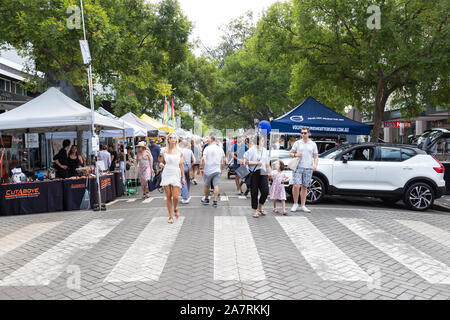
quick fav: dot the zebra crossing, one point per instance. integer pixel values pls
(235, 257)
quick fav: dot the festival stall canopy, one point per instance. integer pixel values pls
(130, 117)
(131, 130)
(157, 124)
(319, 119)
(54, 110)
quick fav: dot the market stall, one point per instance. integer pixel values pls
(51, 111)
(131, 118)
(163, 128)
(32, 197)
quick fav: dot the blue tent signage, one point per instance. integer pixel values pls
(319, 119)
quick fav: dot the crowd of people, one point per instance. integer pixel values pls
(180, 162)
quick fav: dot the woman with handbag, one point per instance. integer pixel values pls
(257, 158)
(239, 149)
(144, 162)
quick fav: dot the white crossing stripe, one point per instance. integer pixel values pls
(223, 198)
(23, 235)
(425, 266)
(147, 256)
(132, 200)
(148, 200)
(112, 202)
(329, 262)
(428, 230)
(235, 253)
(242, 197)
(49, 265)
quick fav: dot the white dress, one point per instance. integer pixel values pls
(171, 174)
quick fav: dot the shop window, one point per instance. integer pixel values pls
(2, 84)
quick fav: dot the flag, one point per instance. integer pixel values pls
(173, 115)
(165, 111)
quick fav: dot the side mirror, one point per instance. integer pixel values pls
(346, 157)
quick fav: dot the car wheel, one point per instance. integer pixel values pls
(316, 191)
(419, 196)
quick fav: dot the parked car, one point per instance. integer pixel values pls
(391, 172)
(429, 136)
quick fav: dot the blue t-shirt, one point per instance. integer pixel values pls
(155, 150)
(239, 150)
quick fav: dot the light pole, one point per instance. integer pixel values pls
(88, 62)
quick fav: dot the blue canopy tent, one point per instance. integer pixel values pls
(319, 119)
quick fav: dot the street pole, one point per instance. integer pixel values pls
(91, 98)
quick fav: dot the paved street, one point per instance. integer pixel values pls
(347, 248)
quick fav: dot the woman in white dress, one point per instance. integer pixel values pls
(173, 174)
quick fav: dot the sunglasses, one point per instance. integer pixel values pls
(304, 132)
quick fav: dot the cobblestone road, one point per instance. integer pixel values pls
(344, 249)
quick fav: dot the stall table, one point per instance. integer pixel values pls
(118, 179)
(32, 197)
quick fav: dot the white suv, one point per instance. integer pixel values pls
(387, 171)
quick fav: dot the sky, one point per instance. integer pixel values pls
(208, 16)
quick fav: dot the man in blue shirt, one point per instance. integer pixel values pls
(155, 150)
(239, 148)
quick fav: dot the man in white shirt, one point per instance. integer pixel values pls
(105, 156)
(213, 162)
(306, 150)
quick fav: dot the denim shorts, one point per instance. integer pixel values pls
(302, 176)
(215, 178)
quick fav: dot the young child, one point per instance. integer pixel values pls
(277, 191)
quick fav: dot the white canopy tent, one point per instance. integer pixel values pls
(56, 111)
(135, 120)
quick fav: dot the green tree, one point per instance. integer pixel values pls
(134, 44)
(336, 56)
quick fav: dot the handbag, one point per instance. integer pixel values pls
(155, 183)
(293, 164)
(248, 178)
(242, 172)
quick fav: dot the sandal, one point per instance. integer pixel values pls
(285, 213)
(177, 214)
(170, 220)
(263, 213)
(255, 216)
(275, 210)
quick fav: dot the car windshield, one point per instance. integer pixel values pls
(330, 154)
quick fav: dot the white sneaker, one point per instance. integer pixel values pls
(294, 207)
(185, 201)
(305, 209)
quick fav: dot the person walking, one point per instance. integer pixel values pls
(188, 162)
(306, 150)
(257, 158)
(277, 191)
(61, 161)
(196, 149)
(213, 162)
(172, 176)
(239, 149)
(121, 160)
(105, 156)
(144, 162)
(155, 150)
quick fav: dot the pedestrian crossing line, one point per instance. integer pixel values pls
(223, 198)
(329, 262)
(242, 197)
(430, 231)
(49, 265)
(148, 200)
(235, 254)
(23, 235)
(433, 271)
(147, 256)
(132, 200)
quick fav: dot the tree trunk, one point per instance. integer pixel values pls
(379, 108)
(80, 94)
